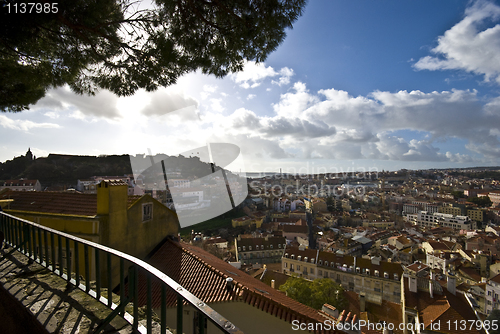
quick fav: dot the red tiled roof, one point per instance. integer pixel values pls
(295, 228)
(417, 266)
(205, 275)
(20, 182)
(55, 202)
(442, 308)
(496, 279)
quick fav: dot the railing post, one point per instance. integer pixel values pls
(68, 260)
(77, 263)
(163, 309)
(53, 252)
(110, 282)
(180, 301)
(97, 273)
(87, 268)
(40, 248)
(60, 257)
(201, 322)
(27, 236)
(149, 309)
(122, 284)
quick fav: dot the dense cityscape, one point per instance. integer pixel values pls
(405, 240)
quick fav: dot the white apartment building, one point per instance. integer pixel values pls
(378, 280)
(426, 219)
(492, 294)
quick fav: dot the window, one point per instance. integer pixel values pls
(368, 271)
(386, 274)
(320, 262)
(285, 264)
(239, 249)
(279, 245)
(298, 267)
(243, 248)
(292, 257)
(299, 257)
(257, 247)
(320, 272)
(396, 276)
(271, 246)
(147, 212)
(326, 263)
(376, 273)
(358, 270)
(311, 270)
(249, 247)
(305, 259)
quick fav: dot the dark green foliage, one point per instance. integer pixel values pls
(316, 293)
(111, 44)
(483, 201)
(458, 194)
(494, 316)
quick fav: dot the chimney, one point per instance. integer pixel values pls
(362, 302)
(412, 283)
(272, 284)
(452, 283)
(431, 284)
(111, 197)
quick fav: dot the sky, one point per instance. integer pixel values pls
(356, 85)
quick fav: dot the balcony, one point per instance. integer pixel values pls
(95, 269)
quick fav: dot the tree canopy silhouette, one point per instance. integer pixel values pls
(126, 45)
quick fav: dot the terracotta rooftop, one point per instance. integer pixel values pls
(441, 308)
(496, 279)
(20, 183)
(205, 275)
(295, 228)
(55, 202)
(274, 243)
(417, 266)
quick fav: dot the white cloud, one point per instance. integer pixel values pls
(251, 96)
(254, 74)
(207, 91)
(466, 47)
(24, 125)
(286, 74)
(293, 104)
(335, 125)
(102, 105)
(216, 105)
(165, 102)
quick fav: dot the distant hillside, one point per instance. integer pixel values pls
(65, 170)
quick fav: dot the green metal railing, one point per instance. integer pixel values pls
(81, 260)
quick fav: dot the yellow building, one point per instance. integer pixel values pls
(452, 210)
(132, 224)
(378, 224)
(476, 215)
(246, 221)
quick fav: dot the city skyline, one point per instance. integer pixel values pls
(355, 85)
